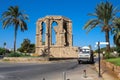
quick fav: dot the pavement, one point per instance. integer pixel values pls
(91, 74)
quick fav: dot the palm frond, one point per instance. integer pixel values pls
(13, 16)
(91, 24)
(105, 11)
(23, 25)
(115, 10)
(92, 14)
(117, 35)
(6, 23)
(25, 16)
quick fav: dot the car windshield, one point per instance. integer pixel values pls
(85, 51)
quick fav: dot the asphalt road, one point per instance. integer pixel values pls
(50, 71)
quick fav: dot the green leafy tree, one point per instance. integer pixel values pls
(2, 51)
(13, 16)
(104, 16)
(27, 47)
(32, 48)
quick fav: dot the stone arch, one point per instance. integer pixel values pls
(62, 34)
(53, 32)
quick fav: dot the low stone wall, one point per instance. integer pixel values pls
(112, 67)
(64, 52)
(61, 52)
(24, 59)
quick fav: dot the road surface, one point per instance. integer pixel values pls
(50, 71)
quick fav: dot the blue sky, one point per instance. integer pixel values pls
(76, 10)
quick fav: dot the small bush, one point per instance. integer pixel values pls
(2, 51)
(25, 55)
(117, 49)
(16, 54)
(109, 55)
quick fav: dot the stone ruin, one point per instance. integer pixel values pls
(57, 38)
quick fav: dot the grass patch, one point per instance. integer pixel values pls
(115, 61)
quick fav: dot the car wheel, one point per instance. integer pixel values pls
(79, 62)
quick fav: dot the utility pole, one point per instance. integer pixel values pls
(99, 58)
(4, 47)
(98, 44)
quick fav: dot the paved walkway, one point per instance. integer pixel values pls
(91, 74)
(77, 74)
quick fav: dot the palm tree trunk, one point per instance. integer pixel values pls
(107, 40)
(15, 34)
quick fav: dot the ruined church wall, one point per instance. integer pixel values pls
(63, 47)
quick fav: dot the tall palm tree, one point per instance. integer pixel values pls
(13, 16)
(4, 44)
(104, 15)
(116, 32)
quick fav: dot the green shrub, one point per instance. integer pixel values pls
(2, 51)
(25, 55)
(117, 49)
(108, 55)
(16, 54)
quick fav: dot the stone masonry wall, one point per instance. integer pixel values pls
(61, 52)
(63, 48)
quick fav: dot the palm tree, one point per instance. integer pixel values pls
(104, 15)
(13, 16)
(116, 32)
(4, 45)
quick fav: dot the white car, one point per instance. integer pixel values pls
(85, 54)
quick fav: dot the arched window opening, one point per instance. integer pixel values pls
(43, 32)
(54, 24)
